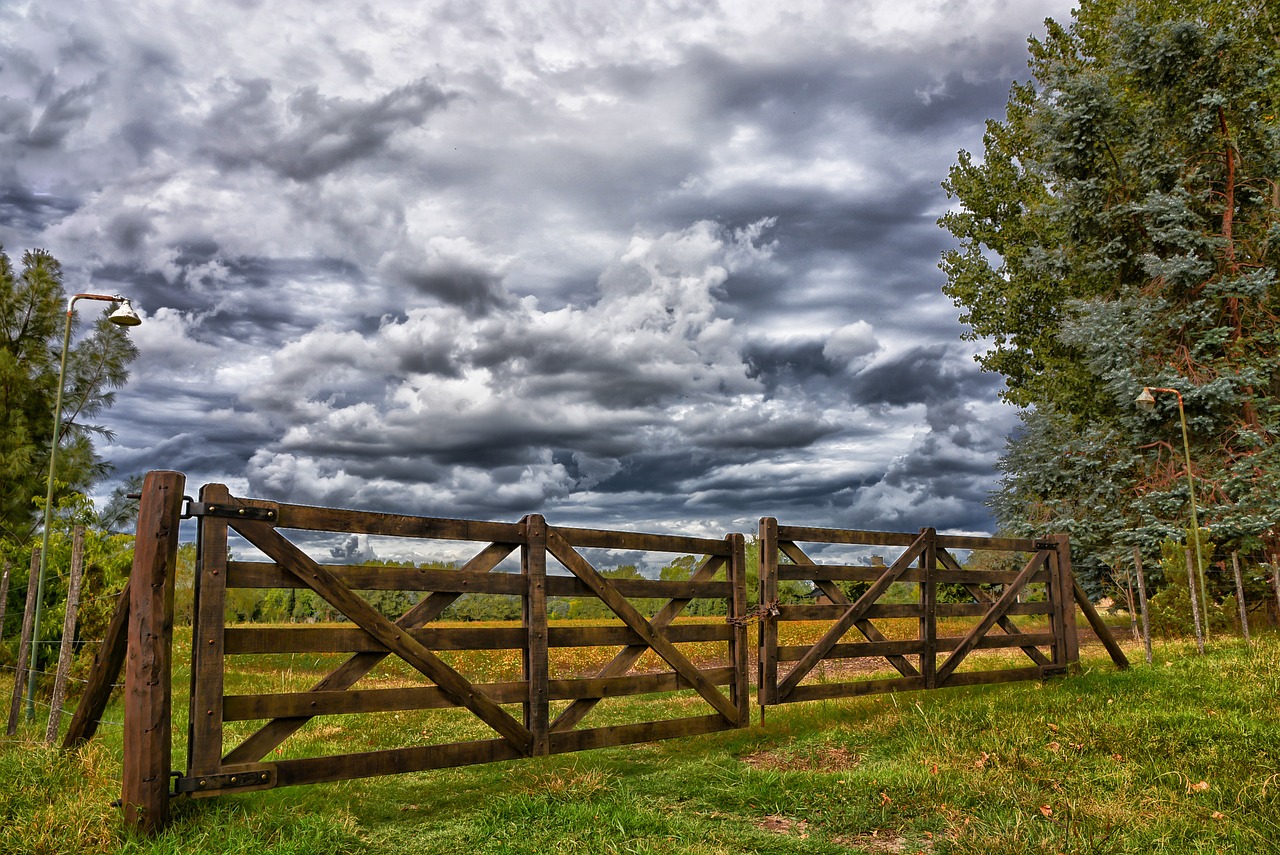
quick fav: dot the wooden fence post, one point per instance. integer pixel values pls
(1067, 590)
(102, 678)
(533, 563)
(4, 597)
(1142, 601)
(929, 610)
(1275, 582)
(24, 643)
(148, 737)
(1244, 614)
(737, 611)
(1195, 603)
(766, 691)
(68, 635)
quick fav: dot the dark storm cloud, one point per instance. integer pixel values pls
(922, 375)
(306, 135)
(661, 265)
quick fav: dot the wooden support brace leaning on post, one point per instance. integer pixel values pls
(148, 734)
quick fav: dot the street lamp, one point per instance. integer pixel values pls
(1147, 401)
(124, 316)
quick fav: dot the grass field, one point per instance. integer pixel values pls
(1181, 756)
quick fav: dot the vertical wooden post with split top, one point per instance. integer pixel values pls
(148, 733)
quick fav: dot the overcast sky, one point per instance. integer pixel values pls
(667, 266)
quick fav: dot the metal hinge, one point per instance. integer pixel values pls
(201, 509)
(255, 777)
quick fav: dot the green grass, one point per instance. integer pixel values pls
(1182, 756)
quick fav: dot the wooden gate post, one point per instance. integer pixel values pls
(767, 683)
(533, 563)
(148, 737)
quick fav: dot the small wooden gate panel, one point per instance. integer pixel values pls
(371, 637)
(791, 672)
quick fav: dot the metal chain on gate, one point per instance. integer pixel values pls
(760, 612)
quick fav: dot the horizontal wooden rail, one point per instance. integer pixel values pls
(248, 574)
(275, 638)
(285, 705)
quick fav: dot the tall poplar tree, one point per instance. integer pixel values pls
(1119, 231)
(32, 319)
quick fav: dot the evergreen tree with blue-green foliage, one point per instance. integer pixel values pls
(1120, 230)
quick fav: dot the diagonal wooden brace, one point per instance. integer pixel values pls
(855, 613)
(998, 610)
(580, 567)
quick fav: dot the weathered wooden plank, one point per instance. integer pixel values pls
(102, 677)
(1070, 639)
(393, 637)
(24, 644)
(998, 609)
(1100, 627)
(740, 691)
(852, 615)
(148, 736)
(270, 735)
(344, 638)
(586, 538)
(310, 518)
(208, 648)
(247, 574)
(767, 682)
(628, 734)
(929, 609)
(635, 646)
(889, 538)
(830, 691)
(990, 544)
(809, 534)
(65, 648)
(1000, 675)
(394, 761)
(533, 564)
(351, 701)
(869, 573)
(911, 647)
(906, 610)
(580, 567)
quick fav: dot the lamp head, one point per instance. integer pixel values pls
(1146, 400)
(124, 315)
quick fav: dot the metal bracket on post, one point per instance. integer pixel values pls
(240, 779)
(257, 514)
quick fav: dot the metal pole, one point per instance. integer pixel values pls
(48, 517)
(122, 318)
(1195, 520)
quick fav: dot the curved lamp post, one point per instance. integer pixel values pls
(124, 316)
(1147, 401)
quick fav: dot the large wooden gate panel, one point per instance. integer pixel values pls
(370, 637)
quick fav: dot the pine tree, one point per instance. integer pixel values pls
(32, 318)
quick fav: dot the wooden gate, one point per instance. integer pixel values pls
(214, 767)
(375, 662)
(804, 650)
